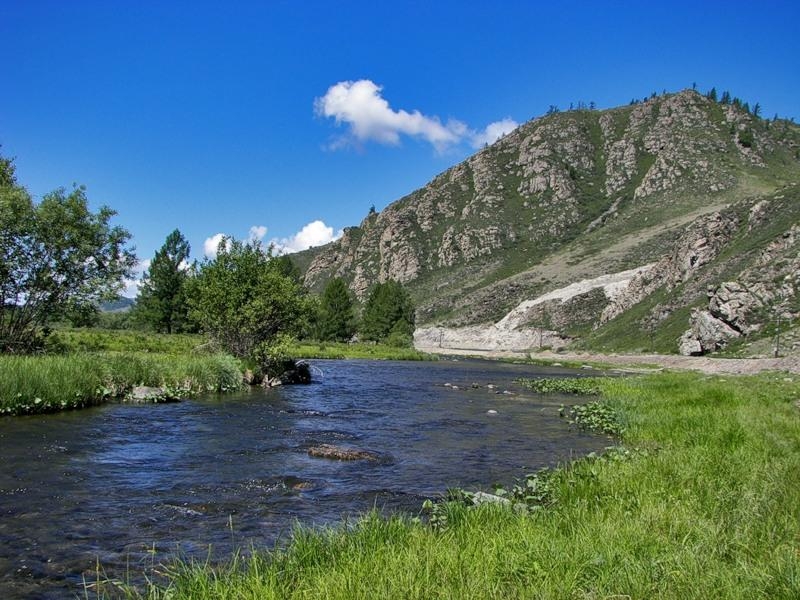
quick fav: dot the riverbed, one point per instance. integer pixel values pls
(129, 486)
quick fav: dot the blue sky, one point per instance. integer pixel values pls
(239, 117)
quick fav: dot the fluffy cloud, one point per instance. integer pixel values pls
(211, 245)
(367, 115)
(360, 106)
(313, 234)
(493, 132)
(257, 233)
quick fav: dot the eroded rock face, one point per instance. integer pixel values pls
(763, 292)
(738, 305)
(707, 332)
(700, 244)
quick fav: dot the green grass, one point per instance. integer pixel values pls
(97, 340)
(700, 501)
(338, 350)
(38, 384)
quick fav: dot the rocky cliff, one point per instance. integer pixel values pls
(663, 190)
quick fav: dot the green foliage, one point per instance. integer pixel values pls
(388, 311)
(571, 385)
(102, 340)
(746, 138)
(595, 416)
(56, 258)
(274, 357)
(243, 299)
(336, 320)
(38, 384)
(162, 298)
(286, 266)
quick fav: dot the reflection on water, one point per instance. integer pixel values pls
(120, 482)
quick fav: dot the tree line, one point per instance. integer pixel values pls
(246, 278)
(59, 261)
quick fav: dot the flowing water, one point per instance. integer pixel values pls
(127, 486)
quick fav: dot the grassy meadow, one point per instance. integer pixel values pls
(698, 498)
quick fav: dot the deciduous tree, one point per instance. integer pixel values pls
(243, 299)
(56, 257)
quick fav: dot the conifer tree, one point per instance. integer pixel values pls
(388, 311)
(336, 319)
(162, 299)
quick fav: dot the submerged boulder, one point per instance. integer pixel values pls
(294, 372)
(143, 394)
(340, 453)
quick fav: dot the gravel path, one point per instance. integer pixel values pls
(739, 366)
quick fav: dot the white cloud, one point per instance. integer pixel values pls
(211, 245)
(493, 132)
(360, 106)
(313, 234)
(257, 233)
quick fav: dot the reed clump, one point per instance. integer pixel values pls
(39, 384)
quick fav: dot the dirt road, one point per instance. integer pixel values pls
(739, 366)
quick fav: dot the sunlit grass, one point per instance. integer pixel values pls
(707, 508)
(100, 340)
(338, 350)
(35, 384)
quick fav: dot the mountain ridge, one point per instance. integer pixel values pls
(564, 198)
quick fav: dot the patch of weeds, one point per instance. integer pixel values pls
(595, 416)
(585, 386)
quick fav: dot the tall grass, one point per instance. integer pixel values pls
(707, 507)
(101, 340)
(35, 384)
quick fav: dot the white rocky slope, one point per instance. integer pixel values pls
(511, 332)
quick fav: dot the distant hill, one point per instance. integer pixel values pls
(669, 224)
(121, 304)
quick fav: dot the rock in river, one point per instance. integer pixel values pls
(340, 453)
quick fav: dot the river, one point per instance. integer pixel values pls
(129, 485)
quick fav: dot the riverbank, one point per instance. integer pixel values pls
(697, 500)
(362, 350)
(91, 366)
(703, 364)
(41, 384)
